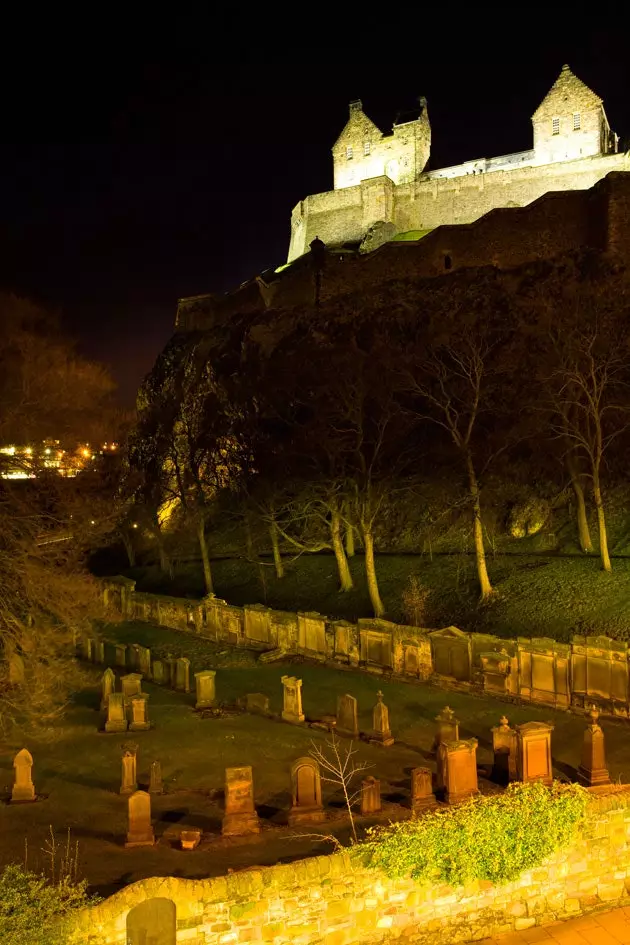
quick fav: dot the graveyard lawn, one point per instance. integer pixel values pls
(78, 770)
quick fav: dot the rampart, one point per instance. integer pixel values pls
(332, 900)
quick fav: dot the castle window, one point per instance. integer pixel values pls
(555, 126)
(349, 153)
(576, 121)
(366, 148)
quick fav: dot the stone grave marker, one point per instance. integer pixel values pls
(120, 658)
(422, 796)
(307, 807)
(116, 716)
(140, 832)
(131, 685)
(592, 770)
(205, 688)
(257, 703)
(447, 727)
(129, 781)
(457, 762)
(347, 716)
(381, 733)
(292, 704)
(240, 814)
(182, 674)
(504, 748)
(108, 685)
(534, 752)
(158, 672)
(140, 713)
(99, 651)
(155, 778)
(23, 787)
(142, 660)
(370, 796)
(16, 668)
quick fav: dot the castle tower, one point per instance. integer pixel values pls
(570, 123)
(362, 151)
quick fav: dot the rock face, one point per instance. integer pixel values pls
(379, 233)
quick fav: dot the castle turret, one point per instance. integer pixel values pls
(362, 151)
(570, 123)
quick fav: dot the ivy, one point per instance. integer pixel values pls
(487, 838)
(34, 911)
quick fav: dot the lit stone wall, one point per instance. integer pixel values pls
(329, 900)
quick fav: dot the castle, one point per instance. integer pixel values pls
(382, 190)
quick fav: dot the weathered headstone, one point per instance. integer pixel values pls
(140, 830)
(16, 668)
(240, 814)
(292, 704)
(257, 703)
(593, 771)
(158, 673)
(534, 752)
(347, 716)
(99, 651)
(182, 674)
(457, 762)
(422, 796)
(205, 688)
(504, 748)
(370, 796)
(120, 658)
(140, 713)
(116, 717)
(447, 727)
(381, 733)
(156, 785)
(23, 788)
(142, 660)
(108, 684)
(129, 781)
(170, 672)
(306, 786)
(131, 685)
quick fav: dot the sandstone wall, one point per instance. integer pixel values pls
(332, 901)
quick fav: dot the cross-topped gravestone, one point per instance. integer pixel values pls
(116, 717)
(292, 705)
(447, 727)
(205, 687)
(306, 786)
(593, 770)
(108, 684)
(23, 788)
(140, 832)
(504, 747)
(347, 716)
(240, 814)
(381, 734)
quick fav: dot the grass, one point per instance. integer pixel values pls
(538, 595)
(77, 769)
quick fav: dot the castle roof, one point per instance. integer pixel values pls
(567, 88)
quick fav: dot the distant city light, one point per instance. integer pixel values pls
(50, 456)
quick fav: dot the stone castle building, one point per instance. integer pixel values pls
(382, 190)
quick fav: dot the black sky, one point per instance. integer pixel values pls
(148, 161)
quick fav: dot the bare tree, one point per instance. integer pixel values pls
(340, 769)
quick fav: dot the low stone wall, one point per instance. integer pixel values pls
(331, 900)
(589, 670)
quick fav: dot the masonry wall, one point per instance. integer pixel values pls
(330, 900)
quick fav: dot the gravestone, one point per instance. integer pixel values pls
(447, 727)
(140, 832)
(257, 703)
(116, 717)
(534, 752)
(99, 651)
(182, 674)
(292, 704)
(131, 685)
(240, 814)
(142, 660)
(381, 734)
(422, 796)
(108, 684)
(205, 687)
(155, 778)
(457, 762)
(88, 649)
(23, 787)
(504, 748)
(347, 716)
(593, 770)
(129, 781)
(158, 672)
(120, 657)
(307, 807)
(16, 668)
(370, 796)
(170, 672)
(140, 713)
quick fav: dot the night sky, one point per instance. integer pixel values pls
(141, 164)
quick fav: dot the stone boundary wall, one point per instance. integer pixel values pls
(589, 670)
(330, 900)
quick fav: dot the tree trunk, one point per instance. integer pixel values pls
(370, 571)
(480, 553)
(205, 558)
(345, 578)
(277, 557)
(131, 551)
(601, 523)
(349, 541)
(584, 533)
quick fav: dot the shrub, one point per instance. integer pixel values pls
(34, 911)
(414, 599)
(491, 838)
